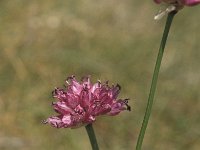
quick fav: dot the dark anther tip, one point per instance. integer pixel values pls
(118, 86)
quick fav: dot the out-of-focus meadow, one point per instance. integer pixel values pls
(43, 42)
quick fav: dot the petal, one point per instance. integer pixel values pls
(101, 109)
(60, 121)
(86, 82)
(62, 108)
(74, 86)
(60, 94)
(67, 120)
(89, 119)
(55, 121)
(114, 91)
(117, 107)
(72, 100)
(191, 2)
(85, 98)
(158, 1)
(95, 87)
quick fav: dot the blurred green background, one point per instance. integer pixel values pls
(43, 42)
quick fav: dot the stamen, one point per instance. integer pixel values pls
(128, 107)
(118, 86)
(126, 103)
(44, 121)
(53, 103)
(67, 82)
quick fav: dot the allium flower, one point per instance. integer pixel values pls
(190, 2)
(179, 2)
(79, 103)
(174, 5)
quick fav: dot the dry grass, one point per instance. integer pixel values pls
(42, 42)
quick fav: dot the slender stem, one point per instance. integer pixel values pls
(154, 80)
(92, 137)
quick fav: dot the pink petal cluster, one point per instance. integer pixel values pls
(191, 2)
(79, 103)
(179, 2)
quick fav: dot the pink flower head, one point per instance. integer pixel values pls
(79, 103)
(179, 2)
(190, 2)
(174, 5)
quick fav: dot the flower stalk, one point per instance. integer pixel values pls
(92, 137)
(154, 80)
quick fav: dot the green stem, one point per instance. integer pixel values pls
(154, 80)
(92, 137)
